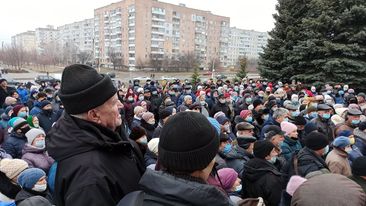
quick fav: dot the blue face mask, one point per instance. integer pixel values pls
(356, 122)
(227, 148)
(326, 116)
(295, 114)
(248, 100)
(286, 119)
(340, 92)
(238, 188)
(249, 119)
(326, 150)
(313, 115)
(22, 114)
(273, 160)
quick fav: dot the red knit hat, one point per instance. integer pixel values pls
(245, 113)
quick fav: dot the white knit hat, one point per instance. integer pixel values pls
(33, 133)
(12, 167)
(153, 145)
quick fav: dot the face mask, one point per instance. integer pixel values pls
(154, 92)
(295, 114)
(236, 88)
(130, 99)
(36, 125)
(141, 98)
(326, 150)
(151, 122)
(340, 92)
(313, 115)
(249, 119)
(352, 140)
(348, 150)
(265, 117)
(188, 91)
(25, 130)
(222, 101)
(272, 160)
(248, 100)
(355, 122)
(172, 93)
(142, 140)
(286, 119)
(40, 144)
(227, 148)
(326, 116)
(22, 114)
(39, 188)
(203, 102)
(238, 188)
(313, 90)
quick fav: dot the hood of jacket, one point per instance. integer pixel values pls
(31, 149)
(256, 168)
(174, 189)
(71, 136)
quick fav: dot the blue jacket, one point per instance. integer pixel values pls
(14, 144)
(360, 140)
(181, 98)
(290, 146)
(23, 95)
(36, 109)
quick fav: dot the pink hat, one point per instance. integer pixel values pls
(288, 127)
(228, 177)
(245, 113)
(294, 183)
(147, 115)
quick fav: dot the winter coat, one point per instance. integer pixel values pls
(359, 180)
(309, 162)
(164, 189)
(46, 120)
(13, 145)
(36, 157)
(135, 123)
(270, 121)
(95, 165)
(262, 179)
(157, 130)
(289, 146)
(148, 128)
(338, 163)
(360, 140)
(181, 98)
(25, 194)
(3, 154)
(4, 93)
(235, 160)
(128, 107)
(329, 190)
(325, 127)
(8, 190)
(36, 109)
(221, 107)
(23, 95)
(150, 158)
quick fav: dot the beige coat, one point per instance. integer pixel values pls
(337, 161)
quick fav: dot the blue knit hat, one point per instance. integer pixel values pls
(341, 142)
(222, 119)
(215, 124)
(29, 177)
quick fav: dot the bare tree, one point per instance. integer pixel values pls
(188, 61)
(84, 57)
(214, 64)
(156, 62)
(115, 58)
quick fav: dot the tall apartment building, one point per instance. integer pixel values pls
(140, 29)
(78, 34)
(25, 40)
(247, 43)
(45, 36)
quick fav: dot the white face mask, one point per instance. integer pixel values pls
(348, 149)
(142, 140)
(39, 188)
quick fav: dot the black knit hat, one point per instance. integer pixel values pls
(257, 102)
(137, 133)
(359, 166)
(262, 148)
(166, 112)
(82, 88)
(316, 140)
(188, 142)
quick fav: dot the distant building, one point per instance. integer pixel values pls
(45, 37)
(139, 29)
(247, 43)
(25, 40)
(78, 34)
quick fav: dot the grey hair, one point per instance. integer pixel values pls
(187, 97)
(280, 112)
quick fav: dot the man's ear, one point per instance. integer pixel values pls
(93, 116)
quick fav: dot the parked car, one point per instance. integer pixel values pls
(45, 78)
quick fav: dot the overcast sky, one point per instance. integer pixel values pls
(17, 16)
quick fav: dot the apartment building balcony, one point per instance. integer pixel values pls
(131, 51)
(131, 38)
(157, 52)
(131, 45)
(131, 58)
(158, 19)
(157, 39)
(158, 32)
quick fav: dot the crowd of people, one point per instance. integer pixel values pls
(82, 141)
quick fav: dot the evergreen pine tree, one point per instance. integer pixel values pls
(242, 73)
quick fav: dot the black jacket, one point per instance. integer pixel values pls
(47, 119)
(164, 189)
(262, 179)
(221, 107)
(235, 160)
(308, 162)
(95, 165)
